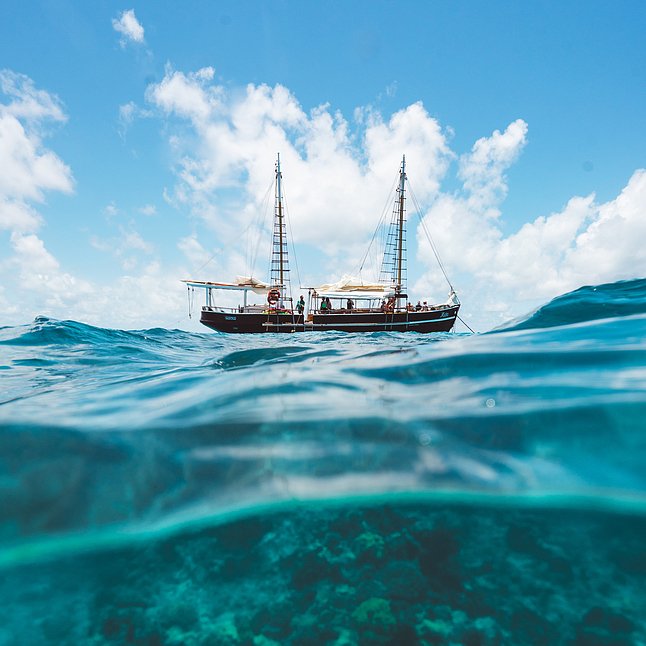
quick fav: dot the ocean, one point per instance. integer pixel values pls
(165, 487)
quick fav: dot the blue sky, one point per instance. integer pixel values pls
(158, 122)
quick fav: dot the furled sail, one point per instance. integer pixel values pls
(352, 284)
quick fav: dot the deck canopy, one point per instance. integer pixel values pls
(350, 284)
(242, 283)
(355, 288)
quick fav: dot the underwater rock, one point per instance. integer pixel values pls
(369, 548)
(403, 581)
(293, 581)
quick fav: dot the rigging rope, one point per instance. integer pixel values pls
(466, 324)
(428, 235)
(244, 231)
(191, 300)
(379, 224)
(288, 217)
(262, 216)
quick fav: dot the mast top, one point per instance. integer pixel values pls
(279, 177)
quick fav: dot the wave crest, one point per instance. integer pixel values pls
(589, 303)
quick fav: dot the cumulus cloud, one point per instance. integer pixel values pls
(40, 271)
(29, 172)
(503, 276)
(27, 102)
(236, 135)
(129, 28)
(482, 170)
(29, 169)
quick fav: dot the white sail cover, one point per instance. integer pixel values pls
(249, 281)
(352, 284)
(241, 283)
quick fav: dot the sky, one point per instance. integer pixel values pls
(138, 141)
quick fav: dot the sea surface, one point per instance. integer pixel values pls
(165, 487)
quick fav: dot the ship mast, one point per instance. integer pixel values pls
(279, 259)
(393, 266)
(400, 236)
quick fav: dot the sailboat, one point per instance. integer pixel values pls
(346, 306)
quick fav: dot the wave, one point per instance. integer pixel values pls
(161, 486)
(124, 431)
(589, 303)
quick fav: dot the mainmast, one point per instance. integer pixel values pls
(400, 236)
(279, 260)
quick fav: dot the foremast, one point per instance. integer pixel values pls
(279, 274)
(393, 268)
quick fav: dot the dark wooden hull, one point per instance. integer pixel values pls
(251, 322)
(436, 320)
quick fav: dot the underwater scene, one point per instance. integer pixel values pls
(166, 487)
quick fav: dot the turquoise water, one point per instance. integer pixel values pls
(163, 487)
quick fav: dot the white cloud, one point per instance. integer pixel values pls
(482, 170)
(129, 28)
(128, 112)
(32, 279)
(612, 246)
(193, 250)
(127, 247)
(45, 286)
(235, 139)
(187, 96)
(28, 103)
(16, 215)
(29, 169)
(148, 209)
(133, 240)
(151, 297)
(499, 277)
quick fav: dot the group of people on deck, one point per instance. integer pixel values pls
(389, 306)
(386, 305)
(326, 305)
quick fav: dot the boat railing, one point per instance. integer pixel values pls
(380, 310)
(247, 309)
(345, 310)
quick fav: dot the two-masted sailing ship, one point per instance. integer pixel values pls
(346, 306)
